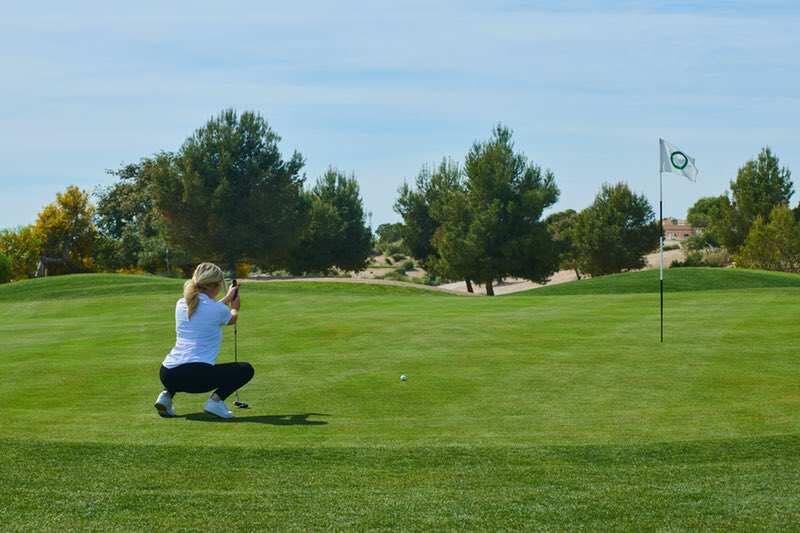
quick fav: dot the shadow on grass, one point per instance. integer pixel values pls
(273, 420)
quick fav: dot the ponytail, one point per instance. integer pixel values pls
(191, 295)
(206, 276)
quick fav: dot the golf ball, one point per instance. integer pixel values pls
(403, 377)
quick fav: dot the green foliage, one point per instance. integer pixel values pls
(389, 233)
(228, 195)
(492, 225)
(422, 209)
(761, 185)
(5, 268)
(336, 235)
(394, 248)
(431, 279)
(705, 257)
(700, 241)
(615, 232)
(67, 233)
(773, 245)
(23, 247)
(132, 232)
(397, 274)
(705, 211)
(561, 226)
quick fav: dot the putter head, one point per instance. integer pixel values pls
(241, 405)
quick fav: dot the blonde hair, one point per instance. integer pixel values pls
(206, 276)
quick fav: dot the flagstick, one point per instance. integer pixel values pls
(661, 241)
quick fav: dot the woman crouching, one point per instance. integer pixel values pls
(191, 364)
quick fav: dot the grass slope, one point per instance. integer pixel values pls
(675, 280)
(547, 409)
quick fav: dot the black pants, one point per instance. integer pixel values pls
(202, 377)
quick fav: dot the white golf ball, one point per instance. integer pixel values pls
(403, 377)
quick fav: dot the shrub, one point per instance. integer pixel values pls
(394, 275)
(716, 257)
(406, 266)
(243, 269)
(773, 244)
(393, 249)
(708, 257)
(430, 279)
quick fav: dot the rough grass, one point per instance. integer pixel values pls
(552, 411)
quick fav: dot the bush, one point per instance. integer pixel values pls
(430, 279)
(398, 257)
(5, 269)
(406, 266)
(773, 244)
(243, 270)
(709, 257)
(671, 247)
(393, 248)
(23, 246)
(716, 257)
(394, 275)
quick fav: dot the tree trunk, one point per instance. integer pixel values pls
(577, 273)
(489, 288)
(469, 285)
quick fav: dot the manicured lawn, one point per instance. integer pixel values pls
(554, 409)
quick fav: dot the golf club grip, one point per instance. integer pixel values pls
(235, 285)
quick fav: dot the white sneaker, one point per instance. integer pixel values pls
(164, 405)
(217, 409)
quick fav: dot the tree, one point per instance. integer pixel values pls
(422, 208)
(5, 268)
(419, 225)
(562, 227)
(456, 256)
(68, 232)
(760, 185)
(718, 221)
(615, 232)
(228, 195)
(23, 246)
(434, 214)
(773, 245)
(336, 234)
(389, 233)
(505, 197)
(131, 231)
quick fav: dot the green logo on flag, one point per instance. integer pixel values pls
(678, 160)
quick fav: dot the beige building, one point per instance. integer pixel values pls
(677, 230)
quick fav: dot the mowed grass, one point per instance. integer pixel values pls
(552, 409)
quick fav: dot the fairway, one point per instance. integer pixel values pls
(553, 409)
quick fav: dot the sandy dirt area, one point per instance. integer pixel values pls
(508, 286)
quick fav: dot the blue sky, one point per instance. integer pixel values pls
(380, 88)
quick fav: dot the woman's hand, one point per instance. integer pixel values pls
(232, 292)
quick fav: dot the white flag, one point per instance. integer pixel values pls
(674, 160)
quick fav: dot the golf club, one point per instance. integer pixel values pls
(238, 403)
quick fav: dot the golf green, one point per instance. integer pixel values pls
(552, 409)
